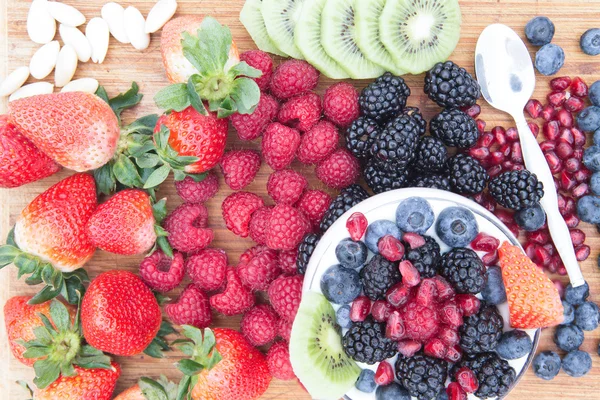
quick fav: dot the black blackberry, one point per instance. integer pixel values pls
(494, 374)
(424, 377)
(451, 86)
(482, 331)
(467, 176)
(397, 142)
(385, 98)
(425, 258)
(436, 181)
(431, 155)
(454, 128)
(366, 342)
(464, 270)
(418, 117)
(381, 179)
(348, 198)
(516, 190)
(360, 137)
(305, 250)
(378, 276)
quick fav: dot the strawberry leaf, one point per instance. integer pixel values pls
(193, 95)
(244, 93)
(158, 176)
(105, 178)
(152, 390)
(243, 69)
(126, 172)
(47, 293)
(160, 343)
(173, 97)
(208, 51)
(60, 316)
(8, 254)
(46, 372)
(126, 100)
(10, 239)
(101, 92)
(159, 209)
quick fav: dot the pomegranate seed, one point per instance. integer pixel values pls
(455, 392)
(426, 293)
(578, 154)
(361, 306)
(530, 249)
(579, 138)
(533, 108)
(565, 118)
(569, 206)
(534, 128)
(357, 225)
(485, 163)
(551, 130)
(491, 258)
(467, 380)
(567, 182)
(580, 190)
(507, 217)
(553, 162)
(508, 165)
(485, 140)
(548, 145)
(468, 304)
(485, 200)
(574, 104)
(413, 239)
(579, 88)
(499, 134)
(410, 275)
(562, 271)
(448, 336)
(516, 155)
(572, 165)
(566, 136)
(494, 171)
(451, 315)
(435, 348)
(380, 310)
(541, 256)
(479, 153)
(454, 354)
(384, 374)
(549, 247)
(398, 295)
(572, 220)
(562, 201)
(390, 248)
(409, 348)
(582, 175)
(480, 126)
(577, 237)
(557, 99)
(514, 229)
(505, 150)
(473, 111)
(556, 183)
(560, 287)
(582, 252)
(444, 289)
(395, 326)
(497, 157)
(564, 150)
(538, 237)
(560, 83)
(512, 134)
(548, 112)
(485, 242)
(554, 265)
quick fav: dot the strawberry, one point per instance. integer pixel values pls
(97, 384)
(147, 388)
(533, 300)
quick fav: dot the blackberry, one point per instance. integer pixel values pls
(397, 142)
(431, 155)
(494, 374)
(384, 99)
(348, 198)
(378, 276)
(467, 176)
(360, 137)
(464, 270)
(381, 179)
(424, 377)
(454, 128)
(516, 190)
(482, 331)
(436, 181)
(425, 258)
(451, 86)
(366, 342)
(415, 113)
(305, 250)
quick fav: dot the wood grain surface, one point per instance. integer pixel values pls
(124, 64)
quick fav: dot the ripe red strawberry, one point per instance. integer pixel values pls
(340, 104)
(258, 270)
(284, 329)
(123, 299)
(278, 359)
(286, 228)
(161, 272)
(207, 269)
(237, 211)
(301, 112)
(261, 61)
(318, 143)
(339, 170)
(287, 261)
(187, 227)
(259, 325)
(251, 126)
(240, 167)
(191, 308)
(97, 384)
(191, 191)
(286, 186)
(279, 145)
(285, 294)
(235, 299)
(314, 204)
(258, 224)
(293, 77)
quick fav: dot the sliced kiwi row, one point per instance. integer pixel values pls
(360, 39)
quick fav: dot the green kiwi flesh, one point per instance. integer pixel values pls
(280, 18)
(252, 19)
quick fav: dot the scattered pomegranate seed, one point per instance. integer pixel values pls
(565, 118)
(562, 271)
(554, 265)
(549, 247)
(534, 108)
(541, 256)
(560, 287)
(508, 165)
(467, 380)
(548, 145)
(534, 128)
(578, 154)
(479, 153)
(564, 150)
(553, 162)
(582, 252)
(384, 374)
(560, 83)
(516, 155)
(494, 171)
(512, 134)
(557, 99)
(413, 239)
(538, 237)
(444, 289)
(551, 130)
(567, 182)
(381, 310)
(514, 229)
(473, 111)
(574, 104)
(454, 354)
(491, 258)
(505, 216)
(485, 140)
(485, 200)
(480, 125)
(548, 112)
(580, 190)
(572, 165)
(569, 206)
(468, 304)
(357, 225)
(583, 174)
(361, 306)
(451, 314)
(579, 88)
(572, 220)
(577, 236)
(390, 248)
(435, 348)
(426, 293)
(448, 335)
(398, 295)
(566, 136)
(455, 392)
(409, 348)
(530, 249)
(410, 275)
(499, 134)
(395, 326)
(579, 137)
(485, 242)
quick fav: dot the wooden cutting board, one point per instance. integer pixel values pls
(124, 64)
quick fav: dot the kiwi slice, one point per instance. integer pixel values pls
(316, 350)
(252, 19)
(338, 37)
(420, 33)
(368, 39)
(308, 39)
(280, 18)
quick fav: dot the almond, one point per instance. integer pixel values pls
(32, 89)
(98, 35)
(135, 26)
(160, 14)
(88, 85)
(66, 14)
(14, 81)
(44, 60)
(77, 39)
(112, 13)
(66, 65)
(41, 27)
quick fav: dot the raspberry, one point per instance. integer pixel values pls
(262, 61)
(207, 269)
(286, 228)
(237, 211)
(279, 145)
(240, 167)
(187, 227)
(314, 205)
(162, 273)
(251, 253)
(339, 170)
(292, 78)
(235, 299)
(259, 270)
(286, 186)
(287, 261)
(259, 325)
(421, 322)
(301, 112)
(251, 126)
(285, 294)
(340, 104)
(284, 329)
(191, 308)
(278, 360)
(258, 224)
(318, 143)
(191, 191)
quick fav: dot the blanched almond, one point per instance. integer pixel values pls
(88, 85)
(77, 39)
(135, 26)
(41, 27)
(98, 35)
(14, 81)
(66, 14)
(44, 60)
(66, 65)
(160, 14)
(32, 89)
(112, 13)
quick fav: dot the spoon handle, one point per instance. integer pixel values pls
(536, 163)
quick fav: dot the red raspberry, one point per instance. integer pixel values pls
(251, 253)
(161, 272)
(240, 167)
(314, 204)
(207, 269)
(287, 261)
(339, 170)
(187, 227)
(286, 228)
(284, 329)
(236, 299)
(318, 143)
(301, 112)
(260, 270)
(340, 104)
(191, 308)
(191, 191)
(258, 224)
(262, 61)
(279, 145)
(286, 186)
(278, 360)
(251, 126)
(237, 211)
(259, 325)
(292, 78)
(285, 294)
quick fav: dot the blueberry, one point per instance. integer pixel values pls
(594, 94)
(393, 391)
(568, 312)
(589, 119)
(590, 42)
(414, 215)
(351, 254)
(340, 285)
(456, 226)
(379, 229)
(596, 137)
(343, 316)
(531, 219)
(494, 291)
(539, 31)
(568, 337)
(577, 363)
(549, 59)
(366, 381)
(588, 209)
(595, 183)
(586, 316)
(546, 365)
(578, 295)
(442, 396)
(591, 157)
(514, 344)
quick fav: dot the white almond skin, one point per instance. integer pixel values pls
(14, 81)
(66, 14)
(77, 39)
(160, 14)
(41, 27)
(135, 26)
(66, 65)
(32, 89)
(44, 60)
(98, 35)
(87, 85)
(113, 14)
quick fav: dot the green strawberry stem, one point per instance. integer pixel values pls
(161, 389)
